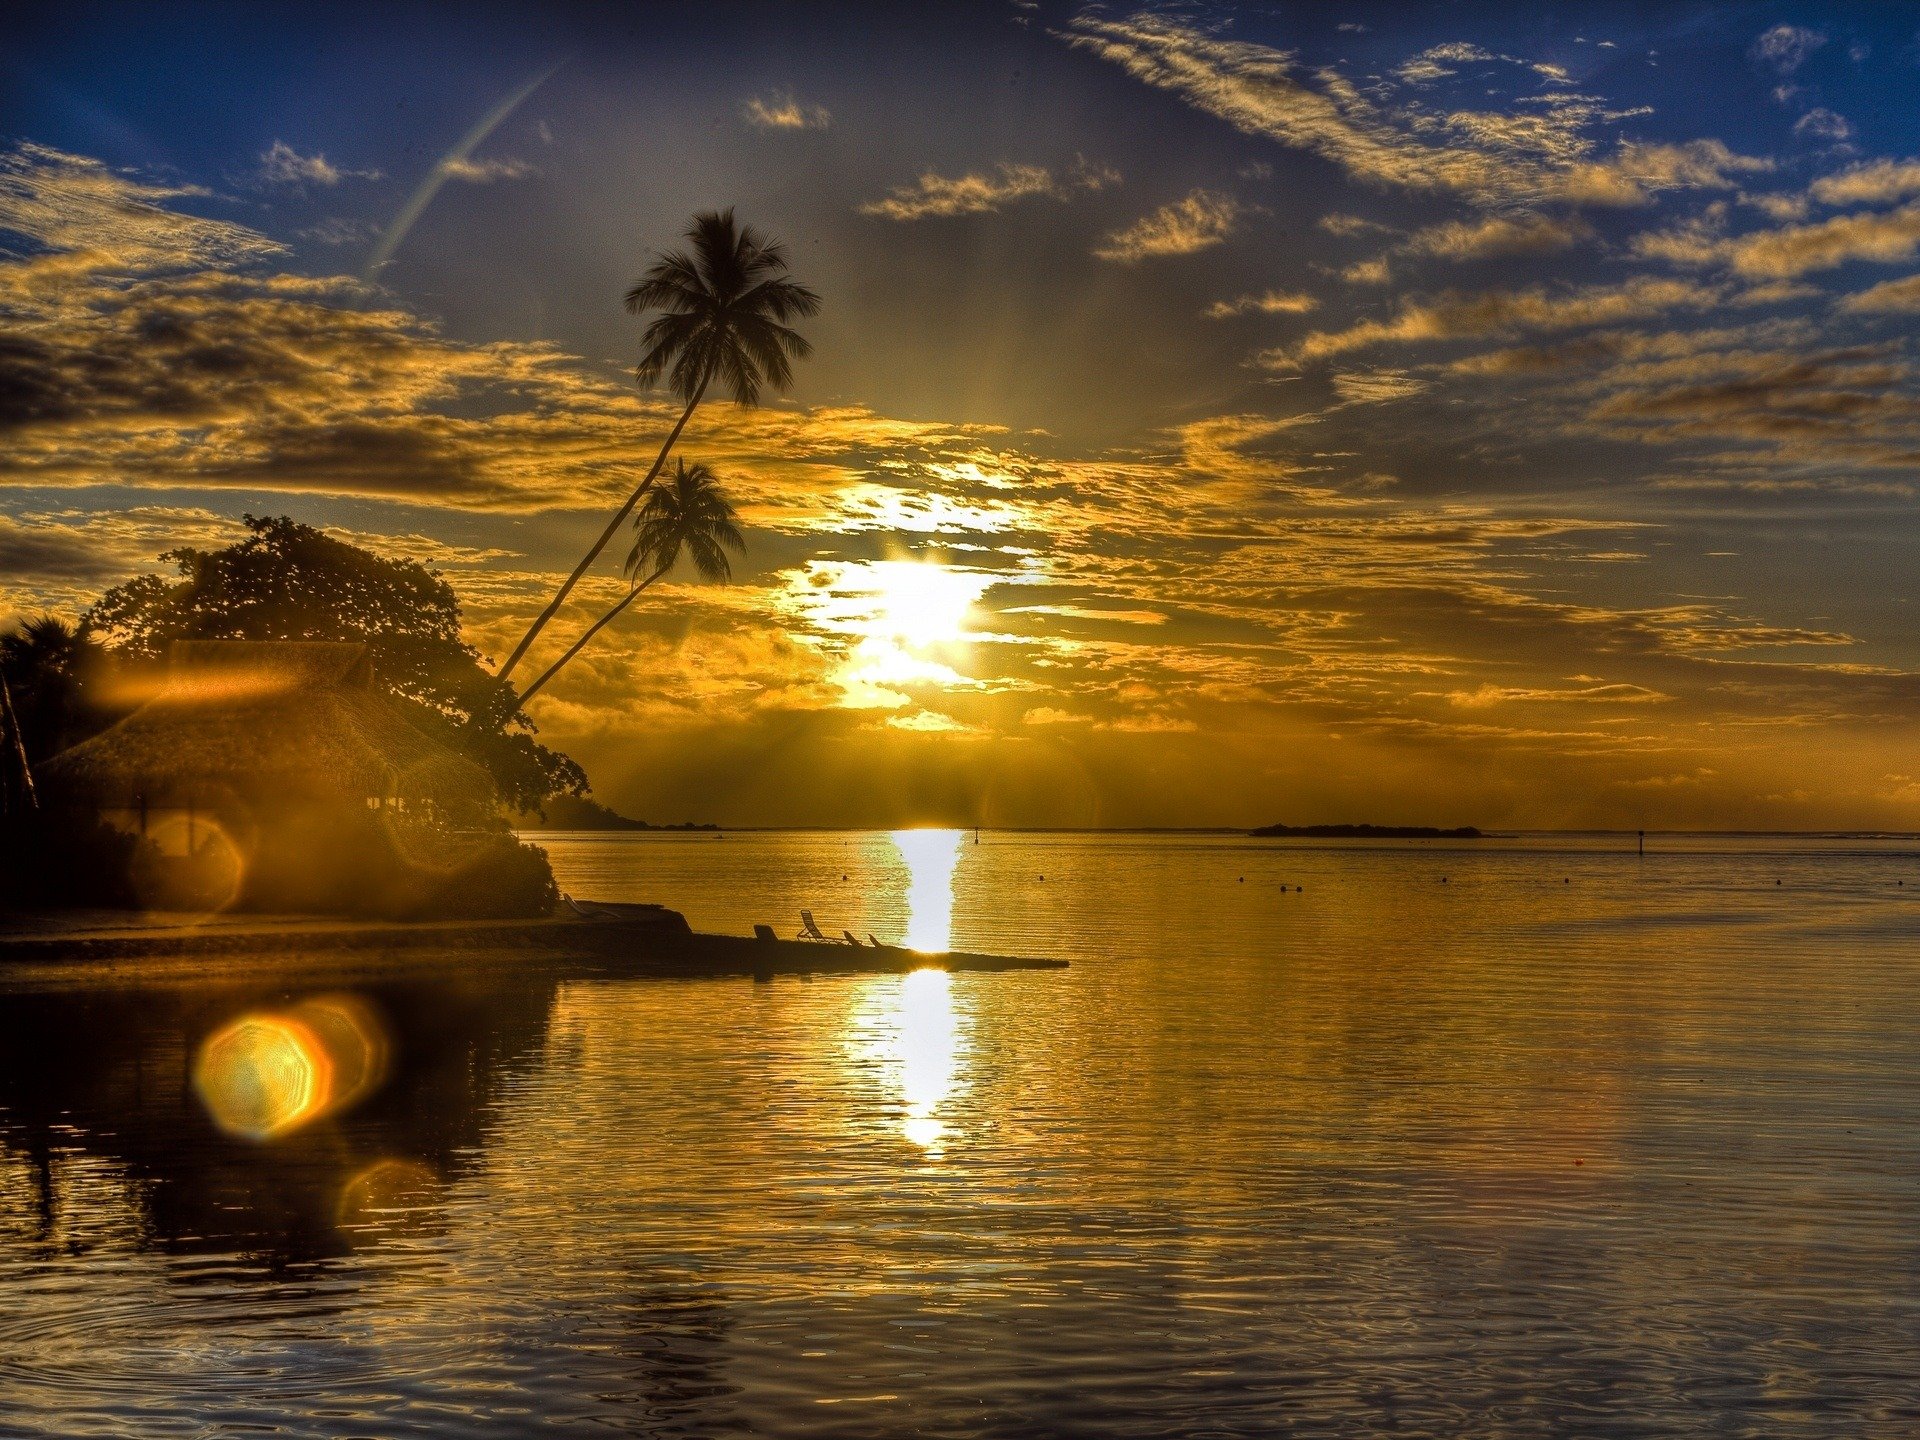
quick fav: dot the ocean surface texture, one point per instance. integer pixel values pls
(1517, 1138)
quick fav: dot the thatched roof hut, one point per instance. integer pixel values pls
(268, 722)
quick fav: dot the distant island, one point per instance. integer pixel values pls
(576, 812)
(1369, 832)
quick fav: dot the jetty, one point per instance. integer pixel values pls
(637, 941)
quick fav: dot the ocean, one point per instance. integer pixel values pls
(1517, 1137)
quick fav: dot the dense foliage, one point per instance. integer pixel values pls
(288, 581)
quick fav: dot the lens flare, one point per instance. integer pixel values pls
(392, 1194)
(267, 1074)
(191, 865)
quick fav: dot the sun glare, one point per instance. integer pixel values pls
(931, 857)
(922, 604)
(906, 623)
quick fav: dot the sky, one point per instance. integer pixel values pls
(1218, 415)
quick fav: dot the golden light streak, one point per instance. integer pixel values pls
(931, 857)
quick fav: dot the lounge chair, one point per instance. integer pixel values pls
(847, 935)
(809, 930)
(873, 942)
(764, 932)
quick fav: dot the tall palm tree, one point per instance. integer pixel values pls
(726, 311)
(690, 515)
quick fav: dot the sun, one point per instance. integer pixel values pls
(920, 604)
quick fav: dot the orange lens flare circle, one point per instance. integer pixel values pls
(267, 1074)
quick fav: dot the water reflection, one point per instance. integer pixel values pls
(931, 856)
(917, 1035)
(230, 1124)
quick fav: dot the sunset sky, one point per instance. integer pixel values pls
(1218, 415)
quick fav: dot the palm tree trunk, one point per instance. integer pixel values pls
(613, 525)
(581, 644)
(22, 777)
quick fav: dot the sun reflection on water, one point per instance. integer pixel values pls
(928, 1054)
(931, 857)
(917, 1035)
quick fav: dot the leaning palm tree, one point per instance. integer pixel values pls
(726, 308)
(689, 515)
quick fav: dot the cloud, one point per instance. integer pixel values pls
(1245, 562)
(1837, 407)
(338, 230)
(1536, 309)
(90, 220)
(1488, 157)
(1497, 235)
(1786, 47)
(1824, 126)
(1202, 220)
(976, 193)
(1338, 224)
(1884, 237)
(1433, 63)
(1900, 296)
(1877, 182)
(150, 347)
(1267, 302)
(281, 164)
(1374, 386)
(779, 110)
(1436, 62)
(485, 172)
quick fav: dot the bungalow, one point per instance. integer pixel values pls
(278, 752)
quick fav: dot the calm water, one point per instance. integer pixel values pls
(1573, 1143)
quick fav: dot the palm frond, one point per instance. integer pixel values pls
(726, 307)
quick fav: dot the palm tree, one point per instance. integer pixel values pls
(726, 308)
(691, 515)
(47, 663)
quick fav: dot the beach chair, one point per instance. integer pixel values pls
(871, 941)
(847, 935)
(764, 932)
(808, 930)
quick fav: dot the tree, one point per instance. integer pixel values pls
(288, 581)
(726, 312)
(691, 516)
(50, 665)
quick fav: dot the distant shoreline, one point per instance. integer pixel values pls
(1238, 830)
(1366, 832)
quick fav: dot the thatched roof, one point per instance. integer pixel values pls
(266, 719)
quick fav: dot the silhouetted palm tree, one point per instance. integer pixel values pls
(47, 662)
(726, 308)
(690, 515)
